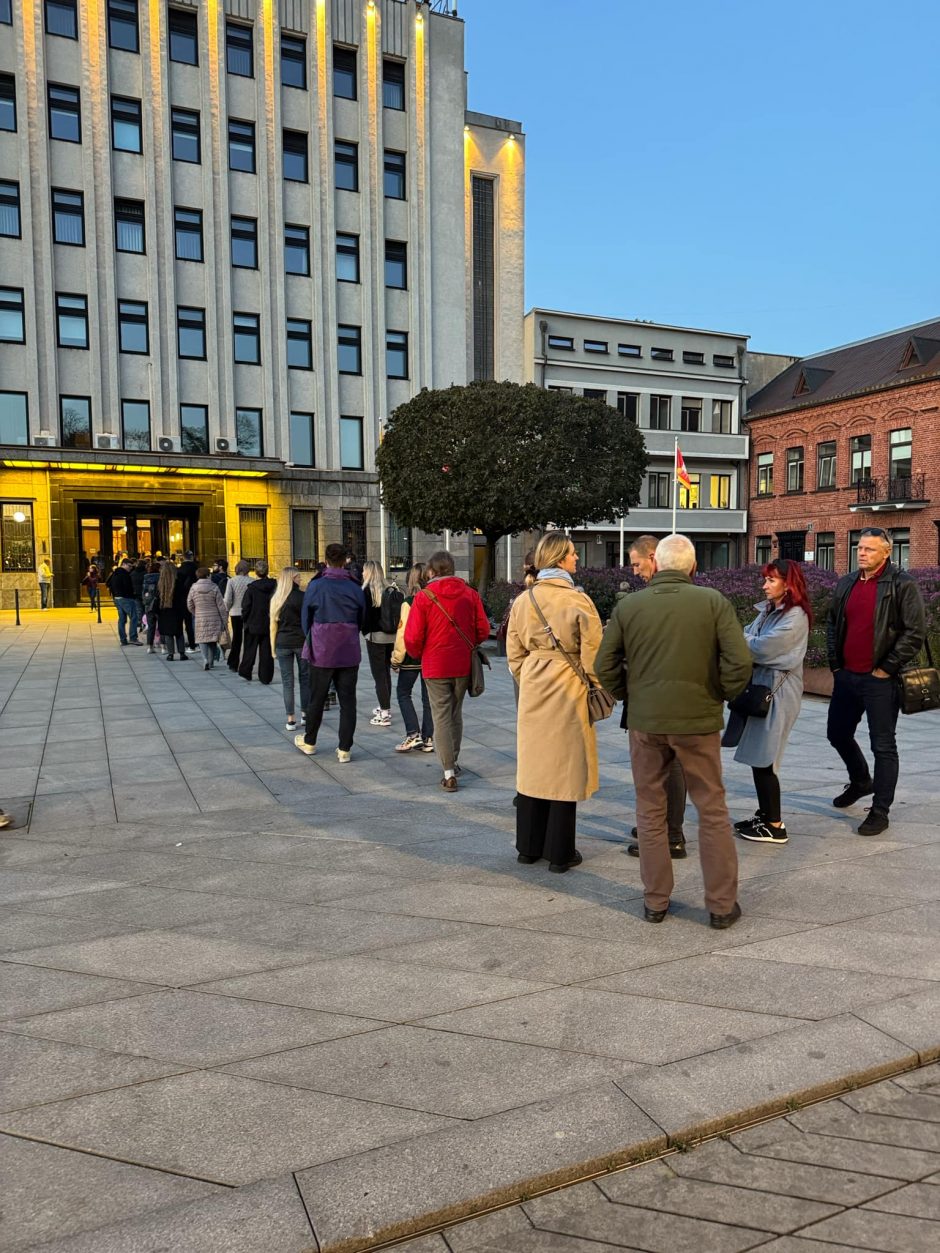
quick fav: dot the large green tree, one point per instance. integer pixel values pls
(502, 458)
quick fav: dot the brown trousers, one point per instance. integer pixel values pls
(699, 756)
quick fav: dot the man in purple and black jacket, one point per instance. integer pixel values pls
(332, 618)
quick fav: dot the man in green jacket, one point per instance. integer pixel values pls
(676, 652)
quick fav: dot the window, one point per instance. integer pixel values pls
(125, 124)
(659, 486)
(301, 439)
(303, 527)
(65, 120)
(347, 258)
(246, 328)
(135, 425)
(826, 464)
(241, 146)
(693, 358)
(353, 528)
(795, 469)
(191, 332)
(295, 156)
(719, 491)
(901, 547)
(17, 544)
(595, 393)
(194, 429)
(133, 327)
(75, 421)
(184, 125)
(564, 343)
(346, 165)
(854, 537)
(10, 209)
(483, 275)
(899, 446)
(554, 387)
(628, 403)
(299, 344)
(248, 432)
(765, 474)
(595, 345)
(661, 354)
(239, 50)
(253, 534)
(62, 18)
(188, 227)
(394, 175)
(12, 318)
(690, 414)
(659, 412)
(293, 62)
(860, 448)
(826, 550)
(399, 548)
(396, 354)
(296, 249)
(71, 316)
(723, 361)
(350, 350)
(14, 426)
(122, 25)
(184, 38)
(721, 417)
(350, 446)
(396, 264)
(762, 550)
(6, 12)
(129, 226)
(393, 84)
(689, 496)
(245, 243)
(629, 350)
(344, 73)
(7, 103)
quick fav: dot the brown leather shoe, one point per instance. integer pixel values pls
(449, 785)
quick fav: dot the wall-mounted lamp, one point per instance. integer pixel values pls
(19, 516)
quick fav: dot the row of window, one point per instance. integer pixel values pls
(825, 550)
(659, 491)
(68, 227)
(900, 444)
(76, 431)
(565, 343)
(72, 331)
(691, 410)
(183, 30)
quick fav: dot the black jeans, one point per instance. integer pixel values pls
(235, 652)
(406, 681)
(380, 663)
(320, 679)
(879, 700)
(257, 646)
(545, 828)
(189, 627)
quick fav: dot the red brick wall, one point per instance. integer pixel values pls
(916, 406)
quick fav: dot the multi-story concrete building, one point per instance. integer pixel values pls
(673, 382)
(849, 439)
(233, 238)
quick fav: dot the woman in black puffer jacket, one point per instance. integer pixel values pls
(287, 638)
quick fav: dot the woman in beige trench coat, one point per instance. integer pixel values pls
(557, 748)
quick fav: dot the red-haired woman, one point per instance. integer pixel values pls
(777, 639)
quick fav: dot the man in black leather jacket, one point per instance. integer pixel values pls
(876, 627)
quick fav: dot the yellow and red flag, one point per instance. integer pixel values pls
(682, 474)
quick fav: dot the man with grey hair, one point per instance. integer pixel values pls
(676, 652)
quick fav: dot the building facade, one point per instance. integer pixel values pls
(845, 440)
(673, 382)
(234, 238)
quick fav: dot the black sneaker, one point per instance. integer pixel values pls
(677, 851)
(748, 824)
(854, 792)
(875, 823)
(764, 833)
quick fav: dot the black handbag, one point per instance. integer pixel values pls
(920, 687)
(755, 700)
(478, 658)
(600, 702)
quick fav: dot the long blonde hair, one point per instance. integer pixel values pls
(285, 585)
(374, 581)
(165, 584)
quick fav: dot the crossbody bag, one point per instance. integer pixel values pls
(600, 702)
(478, 659)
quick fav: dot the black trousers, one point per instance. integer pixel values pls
(344, 677)
(380, 663)
(190, 628)
(257, 646)
(545, 828)
(855, 696)
(235, 652)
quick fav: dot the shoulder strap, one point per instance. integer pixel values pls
(435, 601)
(556, 643)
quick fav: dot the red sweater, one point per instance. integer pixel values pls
(444, 654)
(858, 649)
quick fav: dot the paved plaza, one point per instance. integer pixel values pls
(253, 1000)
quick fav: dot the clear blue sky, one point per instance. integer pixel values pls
(765, 168)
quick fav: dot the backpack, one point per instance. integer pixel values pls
(390, 610)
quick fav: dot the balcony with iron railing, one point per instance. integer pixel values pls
(908, 491)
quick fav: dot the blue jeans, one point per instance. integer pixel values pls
(44, 590)
(406, 682)
(210, 653)
(127, 609)
(285, 661)
(879, 700)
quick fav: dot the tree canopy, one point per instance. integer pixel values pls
(502, 458)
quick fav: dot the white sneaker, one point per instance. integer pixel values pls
(377, 710)
(381, 719)
(301, 743)
(409, 742)
(428, 746)
(343, 756)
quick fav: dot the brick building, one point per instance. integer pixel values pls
(845, 440)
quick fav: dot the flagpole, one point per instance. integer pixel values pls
(675, 484)
(382, 553)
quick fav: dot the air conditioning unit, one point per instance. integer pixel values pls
(222, 445)
(166, 443)
(44, 440)
(107, 441)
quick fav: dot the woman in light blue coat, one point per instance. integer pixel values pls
(777, 639)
